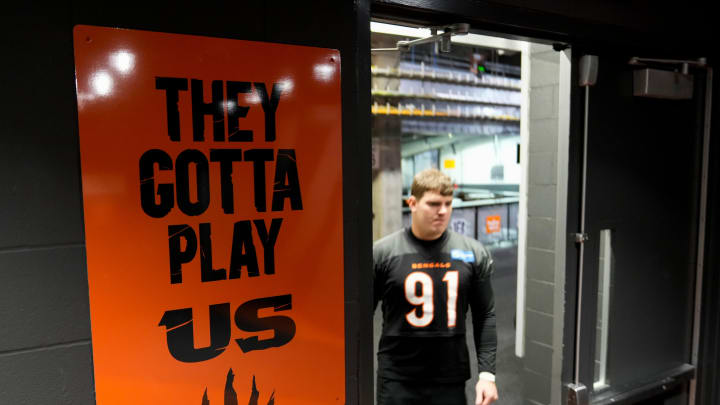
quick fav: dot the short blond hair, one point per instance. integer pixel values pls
(431, 180)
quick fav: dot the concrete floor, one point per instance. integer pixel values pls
(509, 367)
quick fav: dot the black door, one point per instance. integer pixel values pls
(641, 219)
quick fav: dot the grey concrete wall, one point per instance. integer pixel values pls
(387, 180)
(542, 310)
(386, 139)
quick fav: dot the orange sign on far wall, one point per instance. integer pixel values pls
(492, 224)
(212, 189)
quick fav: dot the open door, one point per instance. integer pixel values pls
(640, 222)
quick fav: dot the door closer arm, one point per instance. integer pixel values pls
(443, 38)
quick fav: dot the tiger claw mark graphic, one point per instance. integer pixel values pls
(231, 396)
(255, 395)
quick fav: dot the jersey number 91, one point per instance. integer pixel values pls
(424, 300)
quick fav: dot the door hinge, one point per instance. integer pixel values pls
(577, 394)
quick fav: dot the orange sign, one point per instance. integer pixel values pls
(492, 224)
(212, 189)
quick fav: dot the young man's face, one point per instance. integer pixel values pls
(430, 214)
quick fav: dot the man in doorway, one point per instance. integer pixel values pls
(426, 277)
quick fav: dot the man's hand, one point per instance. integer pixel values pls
(485, 392)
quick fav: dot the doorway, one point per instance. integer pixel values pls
(568, 326)
(493, 114)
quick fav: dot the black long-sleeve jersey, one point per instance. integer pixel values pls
(426, 288)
